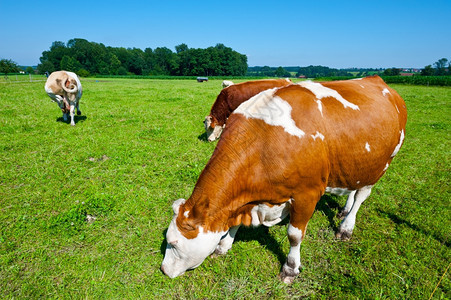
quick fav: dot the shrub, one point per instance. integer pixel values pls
(83, 73)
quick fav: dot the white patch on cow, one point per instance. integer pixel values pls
(317, 135)
(288, 79)
(293, 231)
(385, 92)
(358, 181)
(397, 108)
(186, 214)
(321, 91)
(362, 86)
(272, 109)
(401, 139)
(320, 107)
(367, 147)
(357, 79)
(226, 83)
(386, 167)
(263, 214)
(183, 254)
(338, 191)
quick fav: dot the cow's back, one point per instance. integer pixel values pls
(337, 134)
(231, 97)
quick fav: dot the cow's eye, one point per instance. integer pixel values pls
(175, 252)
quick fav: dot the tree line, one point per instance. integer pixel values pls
(310, 71)
(441, 67)
(90, 58)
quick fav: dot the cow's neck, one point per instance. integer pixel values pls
(218, 202)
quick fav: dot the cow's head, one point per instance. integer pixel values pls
(212, 128)
(183, 253)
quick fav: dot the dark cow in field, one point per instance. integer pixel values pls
(230, 98)
(280, 152)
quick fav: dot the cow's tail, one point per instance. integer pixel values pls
(72, 88)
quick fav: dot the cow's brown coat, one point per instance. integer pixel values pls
(259, 163)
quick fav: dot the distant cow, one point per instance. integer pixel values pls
(280, 152)
(230, 98)
(226, 83)
(65, 89)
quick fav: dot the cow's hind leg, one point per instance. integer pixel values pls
(347, 226)
(301, 211)
(78, 108)
(345, 211)
(72, 110)
(226, 242)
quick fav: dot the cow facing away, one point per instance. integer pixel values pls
(280, 152)
(65, 89)
(230, 98)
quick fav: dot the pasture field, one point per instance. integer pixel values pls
(139, 145)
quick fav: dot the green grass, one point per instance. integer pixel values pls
(138, 146)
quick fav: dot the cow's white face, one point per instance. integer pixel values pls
(213, 130)
(182, 253)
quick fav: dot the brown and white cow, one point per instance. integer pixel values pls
(280, 152)
(65, 89)
(230, 98)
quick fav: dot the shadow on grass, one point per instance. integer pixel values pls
(164, 243)
(262, 236)
(400, 221)
(76, 119)
(203, 137)
(328, 204)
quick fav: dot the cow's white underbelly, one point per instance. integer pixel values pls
(263, 214)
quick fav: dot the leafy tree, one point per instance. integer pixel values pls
(115, 63)
(8, 66)
(428, 71)
(30, 70)
(281, 72)
(181, 48)
(440, 65)
(98, 59)
(46, 66)
(392, 72)
(267, 71)
(69, 64)
(121, 71)
(83, 73)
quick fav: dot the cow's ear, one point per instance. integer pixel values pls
(176, 205)
(213, 122)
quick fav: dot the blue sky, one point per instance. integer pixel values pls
(339, 34)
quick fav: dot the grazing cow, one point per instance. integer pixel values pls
(65, 89)
(226, 83)
(230, 98)
(280, 152)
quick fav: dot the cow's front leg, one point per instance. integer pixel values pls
(302, 208)
(291, 267)
(347, 226)
(226, 242)
(72, 114)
